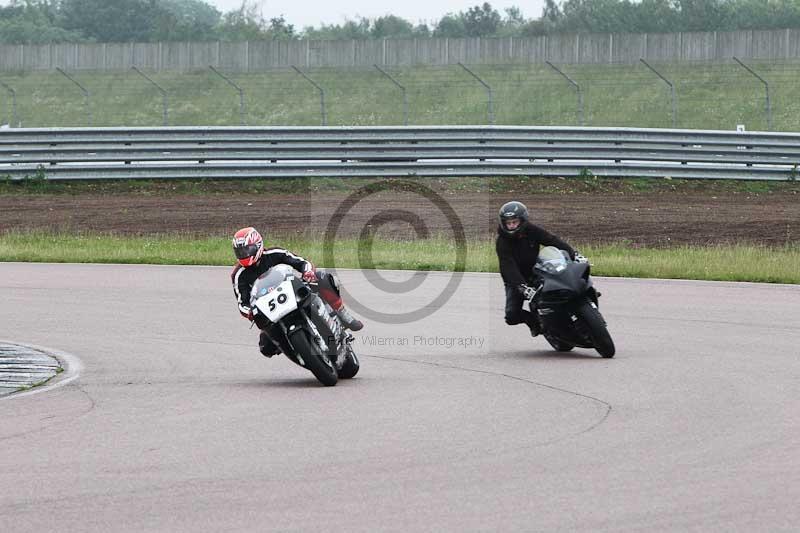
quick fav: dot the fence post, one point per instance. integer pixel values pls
(577, 89)
(766, 88)
(321, 94)
(85, 95)
(489, 95)
(673, 96)
(232, 84)
(161, 90)
(403, 89)
(13, 104)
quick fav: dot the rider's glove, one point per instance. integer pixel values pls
(579, 258)
(309, 276)
(249, 315)
(527, 292)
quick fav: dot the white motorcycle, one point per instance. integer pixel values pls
(303, 325)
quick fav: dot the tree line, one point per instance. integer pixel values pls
(44, 21)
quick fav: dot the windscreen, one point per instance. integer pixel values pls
(551, 260)
(271, 279)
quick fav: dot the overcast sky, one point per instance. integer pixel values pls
(303, 13)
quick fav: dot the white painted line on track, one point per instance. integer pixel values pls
(71, 364)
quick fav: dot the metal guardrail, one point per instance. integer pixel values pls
(274, 152)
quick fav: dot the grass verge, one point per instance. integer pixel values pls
(723, 263)
(40, 185)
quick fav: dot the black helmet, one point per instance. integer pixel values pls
(512, 210)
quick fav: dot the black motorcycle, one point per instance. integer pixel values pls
(305, 327)
(567, 304)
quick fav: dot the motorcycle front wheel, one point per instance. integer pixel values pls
(598, 333)
(558, 345)
(313, 358)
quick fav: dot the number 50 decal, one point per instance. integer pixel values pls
(281, 300)
(279, 303)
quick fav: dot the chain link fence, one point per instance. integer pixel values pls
(716, 95)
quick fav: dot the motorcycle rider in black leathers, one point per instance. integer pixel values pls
(253, 260)
(517, 246)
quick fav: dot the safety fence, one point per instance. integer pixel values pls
(253, 56)
(719, 95)
(256, 152)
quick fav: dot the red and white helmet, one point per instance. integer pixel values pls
(248, 245)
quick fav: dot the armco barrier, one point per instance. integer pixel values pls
(275, 152)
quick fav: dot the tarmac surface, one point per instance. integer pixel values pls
(168, 418)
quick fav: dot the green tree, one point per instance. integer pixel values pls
(110, 21)
(243, 24)
(481, 20)
(351, 29)
(279, 29)
(391, 26)
(704, 15)
(185, 20)
(764, 14)
(654, 16)
(512, 24)
(548, 22)
(34, 22)
(422, 30)
(450, 25)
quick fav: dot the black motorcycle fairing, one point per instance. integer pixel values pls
(561, 326)
(312, 308)
(569, 284)
(565, 303)
(327, 324)
(593, 295)
(563, 287)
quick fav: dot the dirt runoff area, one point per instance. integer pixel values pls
(637, 213)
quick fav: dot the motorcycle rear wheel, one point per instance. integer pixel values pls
(600, 337)
(315, 361)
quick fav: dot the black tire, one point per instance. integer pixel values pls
(351, 365)
(315, 361)
(598, 333)
(558, 345)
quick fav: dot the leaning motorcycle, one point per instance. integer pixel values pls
(305, 327)
(566, 303)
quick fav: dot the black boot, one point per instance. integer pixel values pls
(266, 346)
(349, 321)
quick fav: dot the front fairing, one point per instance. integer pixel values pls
(270, 280)
(562, 280)
(276, 294)
(568, 284)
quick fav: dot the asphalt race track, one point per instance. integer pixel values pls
(456, 422)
